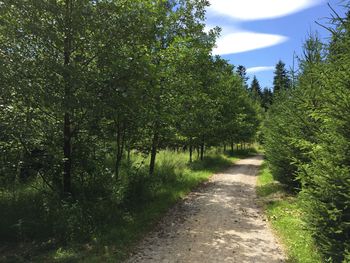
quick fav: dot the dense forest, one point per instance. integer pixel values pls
(106, 106)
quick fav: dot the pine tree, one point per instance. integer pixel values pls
(281, 81)
(307, 139)
(255, 89)
(242, 72)
(327, 177)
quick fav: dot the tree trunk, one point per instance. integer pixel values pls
(119, 150)
(191, 150)
(154, 150)
(67, 133)
(224, 147)
(232, 146)
(202, 151)
(67, 155)
(190, 153)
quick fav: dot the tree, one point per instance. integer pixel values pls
(327, 177)
(242, 72)
(178, 24)
(307, 139)
(255, 89)
(289, 128)
(281, 80)
(266, 98)
(90, 90)
(67, 70)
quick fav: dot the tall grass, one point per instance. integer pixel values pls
(102, 224)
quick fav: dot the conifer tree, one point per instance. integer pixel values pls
(307, 139)
(255, 89)
(281, 81)
(242, 72)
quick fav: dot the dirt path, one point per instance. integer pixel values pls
(220, 222)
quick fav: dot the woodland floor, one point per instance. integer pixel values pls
(218, 222)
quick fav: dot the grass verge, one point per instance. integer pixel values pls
(112, 240)
(285, 215)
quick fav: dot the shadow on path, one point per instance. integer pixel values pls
(219, 222)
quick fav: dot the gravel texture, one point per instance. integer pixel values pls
(218, 222)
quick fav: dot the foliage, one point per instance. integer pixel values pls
(281, 80)
(280, 128)
(101, 79)
(114, 221)
(92, 93)
(266, 98)
(255, 89)
(307, 139)
(327, 177)
(242, 73)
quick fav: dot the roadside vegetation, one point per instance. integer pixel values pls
(109, 228)
(285, 214)
(307, 144)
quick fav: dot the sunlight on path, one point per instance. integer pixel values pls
(220, 222)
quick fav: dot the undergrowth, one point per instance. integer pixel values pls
(103, 223)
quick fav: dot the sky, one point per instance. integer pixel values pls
(259, 33)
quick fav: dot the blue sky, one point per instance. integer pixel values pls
(258, 33)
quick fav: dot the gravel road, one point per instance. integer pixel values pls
(218, 222)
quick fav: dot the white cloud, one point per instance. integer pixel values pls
(259, 69)
(258, 9)
(238, 42)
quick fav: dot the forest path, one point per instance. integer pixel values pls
(219, 222)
